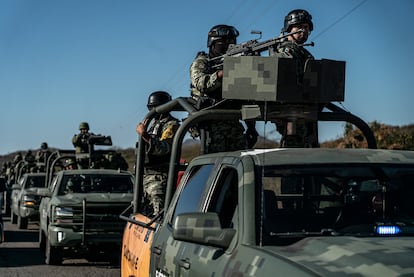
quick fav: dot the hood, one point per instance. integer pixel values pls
(31, 191)
(77, 198)
(356, 256)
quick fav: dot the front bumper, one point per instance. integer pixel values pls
(63, 236)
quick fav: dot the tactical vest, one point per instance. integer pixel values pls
(157, 162)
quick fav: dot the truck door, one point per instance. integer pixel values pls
(221, 197)
(204, 260)
(165, 251)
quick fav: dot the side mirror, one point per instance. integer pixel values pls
(44, 192)
(202, 228)
(16, 186)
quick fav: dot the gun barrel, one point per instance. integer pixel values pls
(250, 48)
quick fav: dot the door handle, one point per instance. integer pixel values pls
(184, 263)
(157, 250)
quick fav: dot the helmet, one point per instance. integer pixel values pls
(221, 31)
(296, 17)
(158, 98)
(43, 145)
(84, 125)
(69, 162)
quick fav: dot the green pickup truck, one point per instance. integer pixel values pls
(288, 211)
(79, 210)
(79, 214)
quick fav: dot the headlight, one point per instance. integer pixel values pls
(29, 200)
(64, 215)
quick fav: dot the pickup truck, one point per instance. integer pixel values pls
(79, 211)
(280, 211)
(25, 199)
(289, 212)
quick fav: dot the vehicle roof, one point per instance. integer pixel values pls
(95, 171)
(286, 156)
(35, 174)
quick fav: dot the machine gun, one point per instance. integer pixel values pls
(252, 48)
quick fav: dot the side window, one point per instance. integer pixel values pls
(190, 199)
(225, 197)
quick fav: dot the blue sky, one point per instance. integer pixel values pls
(67, 61)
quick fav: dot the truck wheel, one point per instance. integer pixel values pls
(13, 217)
(22, 222)
(42, 241)
(54, 255)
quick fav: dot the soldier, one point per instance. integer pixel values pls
(116, 161)
(43, 154)
(206, 83)
(304, 135)
(292, 47)
(158, 140)
(82, 146)
(80, 141)
(70, 164)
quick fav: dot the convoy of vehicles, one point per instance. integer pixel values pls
(25, 200)
(256, 212)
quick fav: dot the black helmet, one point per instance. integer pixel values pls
(296, 17)
(84, 125)
(44, 145)
(158, 98)
(221, 31)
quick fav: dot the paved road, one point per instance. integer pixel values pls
(20, 257)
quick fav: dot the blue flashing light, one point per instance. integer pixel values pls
(388, 230)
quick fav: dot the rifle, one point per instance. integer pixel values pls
(251, 48)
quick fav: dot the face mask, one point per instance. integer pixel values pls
(218, 49)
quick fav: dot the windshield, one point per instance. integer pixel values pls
(95, 183)
(335, 200)
(35, 181)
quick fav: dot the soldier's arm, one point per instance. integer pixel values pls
(75, 140)
(201, 80)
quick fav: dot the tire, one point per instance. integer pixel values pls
(13, 217)
(42, 241)
(22, 222)
(54, 255)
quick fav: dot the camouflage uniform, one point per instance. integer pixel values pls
(223, 135)
(80, 142)
(158, 152)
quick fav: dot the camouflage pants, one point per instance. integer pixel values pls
(226, 136)
(154, 190)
